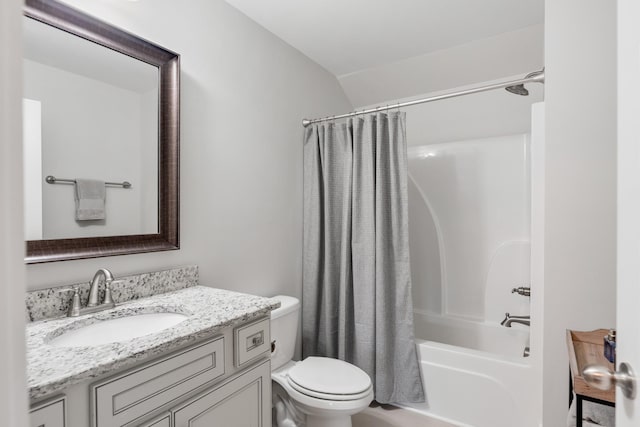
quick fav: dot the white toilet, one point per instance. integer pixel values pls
(315, 392)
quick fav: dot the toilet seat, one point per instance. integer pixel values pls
(329, 379)
(319, 408)
(327, 396)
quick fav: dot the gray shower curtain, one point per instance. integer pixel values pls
(357, 302)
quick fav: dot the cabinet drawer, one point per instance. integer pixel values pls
(251, 341)
(48, 414)
(122, 399)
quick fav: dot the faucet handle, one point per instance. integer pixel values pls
(74, 307)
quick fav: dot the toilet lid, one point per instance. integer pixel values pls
(329, 377)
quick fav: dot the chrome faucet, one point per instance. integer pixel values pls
(95, 283)
(509, 319)
(75, 308)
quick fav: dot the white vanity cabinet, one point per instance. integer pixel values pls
(200, 385)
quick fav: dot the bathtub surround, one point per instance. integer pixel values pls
(54, 302)
(468, 252)
(357, 303)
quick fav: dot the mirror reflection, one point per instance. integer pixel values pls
(91, 115)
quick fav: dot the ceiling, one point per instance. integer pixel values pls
(346, 36)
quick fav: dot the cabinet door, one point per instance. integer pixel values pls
(244, 401)
(48, 414)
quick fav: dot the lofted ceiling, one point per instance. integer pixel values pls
(347, 36)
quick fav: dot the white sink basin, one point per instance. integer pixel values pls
(118, 329)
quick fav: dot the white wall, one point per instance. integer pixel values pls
(13, 396)
(513, 53)
(32, 168)
(244, 93)
(80, 141)
(580, 203)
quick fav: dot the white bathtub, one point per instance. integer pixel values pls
(490, 385)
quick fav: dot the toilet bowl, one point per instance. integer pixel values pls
(317, 391)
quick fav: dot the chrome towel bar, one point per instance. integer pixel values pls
(53, 180)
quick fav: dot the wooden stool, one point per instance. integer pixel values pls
(587, 348)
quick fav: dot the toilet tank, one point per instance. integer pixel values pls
(284, 330)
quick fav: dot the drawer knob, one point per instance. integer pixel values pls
(256, 341)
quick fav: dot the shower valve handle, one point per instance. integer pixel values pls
(525, 291)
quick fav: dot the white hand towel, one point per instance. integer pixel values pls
(90, 199)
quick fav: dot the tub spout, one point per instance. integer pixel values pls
(509, 319)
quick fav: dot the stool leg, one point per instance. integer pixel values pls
(578, 410)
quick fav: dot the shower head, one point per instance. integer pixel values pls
(536, 76)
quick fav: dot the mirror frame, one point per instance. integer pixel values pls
(87, 27)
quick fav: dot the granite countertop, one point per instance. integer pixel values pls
(51, 369)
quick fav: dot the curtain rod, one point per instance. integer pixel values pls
(535, 77)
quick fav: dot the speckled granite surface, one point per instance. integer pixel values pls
(54, 302)
(50, 369)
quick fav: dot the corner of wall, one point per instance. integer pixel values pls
(13, 402)
(580, 189)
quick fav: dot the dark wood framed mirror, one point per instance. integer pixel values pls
(163, 234)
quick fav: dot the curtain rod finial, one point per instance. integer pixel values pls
(306, 122)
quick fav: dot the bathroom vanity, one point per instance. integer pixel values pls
(212, 368)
